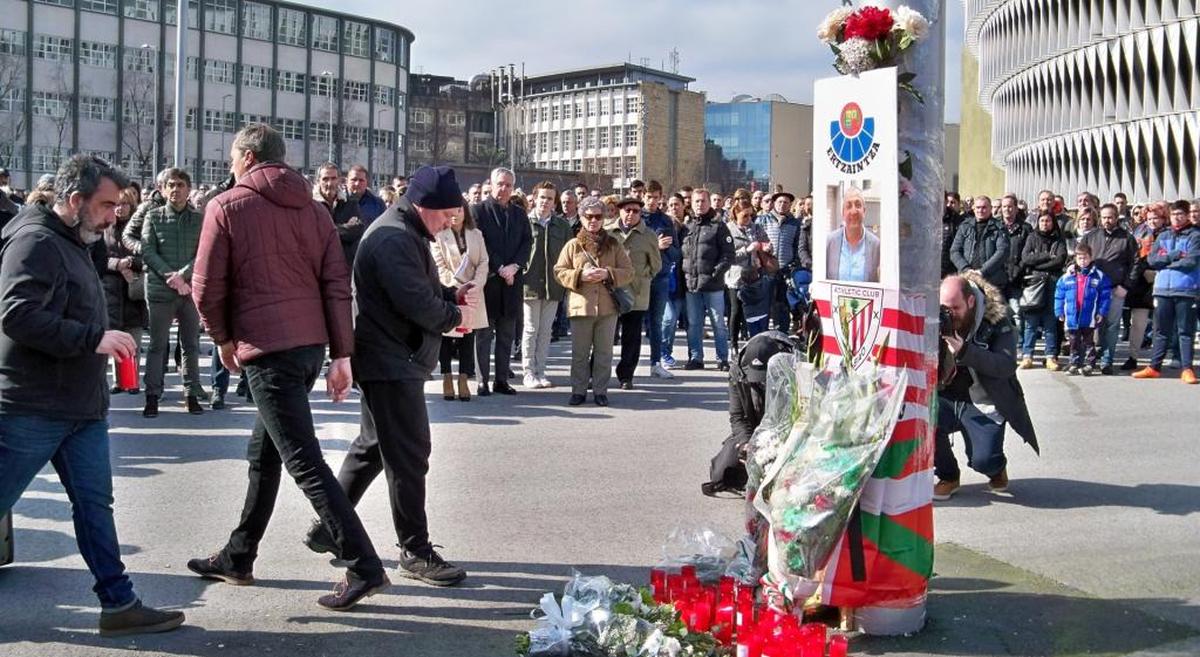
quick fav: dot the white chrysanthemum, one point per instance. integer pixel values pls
(911, 21)
(856, 55)
(828, 30)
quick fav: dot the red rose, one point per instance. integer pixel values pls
(869, 23)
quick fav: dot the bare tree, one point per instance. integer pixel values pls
(141, 127)
(61, 120)
(12, 127)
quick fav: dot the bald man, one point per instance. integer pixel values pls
(852, 251)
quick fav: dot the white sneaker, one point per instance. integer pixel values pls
(661, 372)
(543, 382)
(530, 381)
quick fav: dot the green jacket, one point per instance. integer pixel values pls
(548, 242)
(169, 242)
(641, 243)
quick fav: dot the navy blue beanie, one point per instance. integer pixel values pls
(434, 188)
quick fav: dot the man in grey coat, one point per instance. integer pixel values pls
(982, 245)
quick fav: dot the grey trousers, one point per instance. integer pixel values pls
(162, 313)
(592, 339)
(535, 337)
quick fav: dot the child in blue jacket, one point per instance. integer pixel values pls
(1081, 301)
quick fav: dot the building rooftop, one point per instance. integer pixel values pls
(599, 71)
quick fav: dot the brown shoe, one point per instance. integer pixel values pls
(139, 619)
(998, 483)
(448, 387)
(464, 391)
(944, 489)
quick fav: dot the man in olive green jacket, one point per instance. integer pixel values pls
(543, 292)
(641, 243)
(170, 237)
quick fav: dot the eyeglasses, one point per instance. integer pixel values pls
(589, 216)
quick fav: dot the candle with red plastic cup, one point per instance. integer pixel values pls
(127, 373)
(839, 645)
(658, 584)
(723, 621)
(674, 587)
(464, 326)
(749, 643)
(700, 616)
(688, 572)
(812, 639)
(744, 614)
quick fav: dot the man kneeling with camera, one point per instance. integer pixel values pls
(978, 389)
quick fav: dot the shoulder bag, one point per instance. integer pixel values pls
(622, 297)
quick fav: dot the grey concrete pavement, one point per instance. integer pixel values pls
(1093, 552)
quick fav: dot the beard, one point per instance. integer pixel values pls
(87, 230)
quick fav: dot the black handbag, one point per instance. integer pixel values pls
(622, 297)
(1036, 294)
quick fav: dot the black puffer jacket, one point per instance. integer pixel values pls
(1017, 233)
(707, 253)
(1045, 254)
(985, 249)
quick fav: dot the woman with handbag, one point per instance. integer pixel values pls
(121, 276)
(641, 244)
(461, 257)
(593, 268)
(1042, 263)
(747, 282)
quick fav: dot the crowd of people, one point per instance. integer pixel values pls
(293, 278)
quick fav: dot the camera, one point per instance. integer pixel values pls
(945, 321)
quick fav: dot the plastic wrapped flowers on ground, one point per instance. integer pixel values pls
(708, 551)
(821, 477)
(788, 387)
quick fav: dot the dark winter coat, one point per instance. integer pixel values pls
(401, 307)
(987, 252)
(123, 312)
(1044, 255)
(707, 253)
(53, 316)
(950, 223)
(546, 242)
(1113, 253)
(1141, 275)
(671, 256)
(347, 219)
(509, 240)
(131, 237)
(1017, 233)
(169, 241)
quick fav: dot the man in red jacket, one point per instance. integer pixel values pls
(273, 288)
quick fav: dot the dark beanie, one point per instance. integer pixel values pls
(434, 188)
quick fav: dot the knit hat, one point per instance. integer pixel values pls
(434, 188)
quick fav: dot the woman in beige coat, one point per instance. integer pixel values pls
(461, 257)
(584, 266)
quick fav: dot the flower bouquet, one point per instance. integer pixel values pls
(872, 37)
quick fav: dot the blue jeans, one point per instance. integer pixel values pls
(1174, 318)
(660, 298)
(78, 450)
(670, 321)
(712, 304)
(984, 440)
(1110, 331)
(1043, 321)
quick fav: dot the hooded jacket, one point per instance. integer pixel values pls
(1096, 297)
(1176, 257)
(990, 353)
(270, 274)
(53, 315)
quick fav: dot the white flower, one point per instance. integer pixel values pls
(910, 21)
(856, 55)
(827, 31)
(906, 188)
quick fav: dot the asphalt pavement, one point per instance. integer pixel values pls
(1093, 552)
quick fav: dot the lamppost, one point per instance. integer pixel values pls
(329, 75)
(154, 125)
(224, 125)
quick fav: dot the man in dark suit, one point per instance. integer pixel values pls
(508, 236)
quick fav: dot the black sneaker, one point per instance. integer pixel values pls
(601, 400)
(218, 400)
(1107, 370)
(723, 366)
(212, 568)
(627, 385)
(139, 619)
(483, 390)
(694, 365)
(116, 389)
(429, 567)
(193, 405)
(318, 539)
(351, 591)
(151, 408)
(576, 400)
(1129, 365)
(504, 388)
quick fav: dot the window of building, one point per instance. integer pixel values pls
(213, 171)
(632, 105)
(420, 145)
(218, 71)
(576, 165)
(101, 6)
(325, 33)
(320, 131)
(135, 114)
(247, 119)
(140, 59)
(420, 116)
(454, 118)
(13, 100)
(192, 70)
(52, 48)
(258, 77)
(96, 108)
(631, 135)
(631, 167)
(603, 137)
(218, 121)
(100, 55)
(554, 111)
(356, 39)
(47, 158)
(322, 85)
(385, 45)
(384, 138)
(169, 10)
(12, 42)
(555, 144)
(291, 27)
(189, 119)
(618, 105)
(565, 136)
(591, 137)
(385, 95)
(146, 10)
(591, 107)
(616, 136)
(604, 165)
(578, 139)
(60, 3)
(355, 90)
(544, 142)
(354, 135)
(220, 16)
(604, 106)
(291, 128)
(256, 21)
(289, 81)
(48, 103)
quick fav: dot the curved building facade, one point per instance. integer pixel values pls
(1100, 96)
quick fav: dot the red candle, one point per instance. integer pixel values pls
(812, 639)
(674, 586)
(838, 645)
(688, 572)
(749, 644)
(724, 622)
(701, 615)
(658, 584)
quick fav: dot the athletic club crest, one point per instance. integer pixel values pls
(852, 143)
(857, 316)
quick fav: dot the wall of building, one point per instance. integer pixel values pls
(951, 145)
(791, 147)
(977, 174)
(673, 135)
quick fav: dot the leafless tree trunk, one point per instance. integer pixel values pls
(141, 127)
(12, 126)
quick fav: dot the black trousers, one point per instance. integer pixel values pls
(737, 319)
(503, 331)
(394, 439)
(461, 349)
(630, 325)
(284, 436)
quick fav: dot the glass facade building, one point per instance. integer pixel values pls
(740, 135)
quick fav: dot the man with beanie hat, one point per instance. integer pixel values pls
(401, 312)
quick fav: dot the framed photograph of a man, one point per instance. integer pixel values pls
(852, 249)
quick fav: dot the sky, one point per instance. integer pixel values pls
(754, 47)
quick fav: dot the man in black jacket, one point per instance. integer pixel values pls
(1114, 252)
(982, 245)
(401, 311)
(707, 255)
(344, 210)
(509, 239)
(53, 391)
